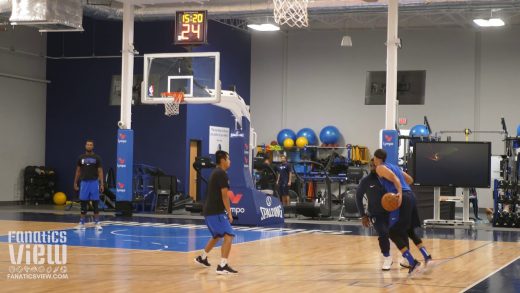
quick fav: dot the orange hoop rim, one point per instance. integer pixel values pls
(177, 96)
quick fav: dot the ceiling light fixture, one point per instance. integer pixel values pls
(264, 27)
(491, 22)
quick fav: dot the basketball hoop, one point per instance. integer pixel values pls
(291, 12)
(171, 108)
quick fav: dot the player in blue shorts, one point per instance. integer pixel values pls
(371, 186)
(403, 221)
(217, 214)
(89, 182)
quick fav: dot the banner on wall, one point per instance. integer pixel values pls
(218, 139)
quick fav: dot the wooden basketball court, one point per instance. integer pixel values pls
(303, 261)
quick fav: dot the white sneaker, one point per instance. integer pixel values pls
(98, 227)
(387, 264)
(404, 263)
(80, 226)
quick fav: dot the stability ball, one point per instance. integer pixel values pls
(288, 143)
(329, 135)
(309, 134)
(419, 130)
(59, 198)
(518, 130)
(284, 134)
(302, 142)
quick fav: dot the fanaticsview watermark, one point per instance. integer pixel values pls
(37, 255)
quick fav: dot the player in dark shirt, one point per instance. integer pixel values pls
(283, 180)
(89, 182)
(405, 219)
(372, 187)
(217, 214)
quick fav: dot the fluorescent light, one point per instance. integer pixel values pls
(496, 22)
(264, 27)
(489, 22)
(346, 41)
(481, 22)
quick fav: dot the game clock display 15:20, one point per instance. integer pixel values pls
(190, 27)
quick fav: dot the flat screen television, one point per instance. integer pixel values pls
(456, 164)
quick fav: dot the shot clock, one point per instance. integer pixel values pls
(191, 27)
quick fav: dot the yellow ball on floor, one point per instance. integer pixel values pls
(59, 198)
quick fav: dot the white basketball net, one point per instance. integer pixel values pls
(171, 108)
(291, 12)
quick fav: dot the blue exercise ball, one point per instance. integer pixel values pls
(419, 130)
(518, 130)
(285, 134)
(329, 135)
(309, 134)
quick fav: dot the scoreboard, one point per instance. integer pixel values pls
(191, 27)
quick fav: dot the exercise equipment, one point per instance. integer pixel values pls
(144, 198)
(59, 198)
(506, 191)
(302, 142)
(108, 197)
(322, 206)
(284, 134)
(329, 135)
(288, 143)
(199, 164)
(165, 188)
(39, 184)
(309, 134)
(419, 130)
(349, 202)
(265, 175)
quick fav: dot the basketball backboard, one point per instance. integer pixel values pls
(197, 75)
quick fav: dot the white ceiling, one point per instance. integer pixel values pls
(341, 14)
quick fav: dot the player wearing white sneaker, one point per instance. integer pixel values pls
(377, 216)
(217, 215)
(405, 219)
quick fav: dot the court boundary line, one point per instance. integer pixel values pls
(489, 275)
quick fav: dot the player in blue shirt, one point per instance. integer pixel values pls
(376, 215)
(403, 221)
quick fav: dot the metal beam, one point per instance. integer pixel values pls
(127, 67)
(392, 45)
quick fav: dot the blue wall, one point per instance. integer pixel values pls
(78, 97)
(235, 68)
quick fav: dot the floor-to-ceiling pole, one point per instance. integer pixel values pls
(392, 45)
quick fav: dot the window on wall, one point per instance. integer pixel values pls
(115, 90)
(410, 87)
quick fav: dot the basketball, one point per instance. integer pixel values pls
(390, 202)
(59, 198)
